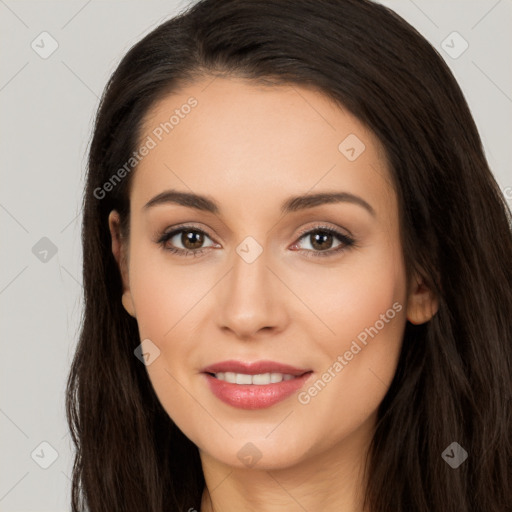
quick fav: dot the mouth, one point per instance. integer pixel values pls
(254, 385)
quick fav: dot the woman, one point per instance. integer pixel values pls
(296, 271)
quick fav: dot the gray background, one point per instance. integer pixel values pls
(47, 107)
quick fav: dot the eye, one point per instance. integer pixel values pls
(321, 240)
(191, 239)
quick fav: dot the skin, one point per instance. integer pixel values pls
(249, 148)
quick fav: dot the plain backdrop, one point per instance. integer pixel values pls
(47, 105)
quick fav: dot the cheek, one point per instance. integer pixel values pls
(353, 296)
(167, 301)
(164, 293)
(363, 304)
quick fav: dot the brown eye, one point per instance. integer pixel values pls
(321, 240)
(192, 239)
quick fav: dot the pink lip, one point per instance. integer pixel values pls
(253, 396)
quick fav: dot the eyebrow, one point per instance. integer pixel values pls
(292, 204)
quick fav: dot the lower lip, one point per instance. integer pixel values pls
(253, 396)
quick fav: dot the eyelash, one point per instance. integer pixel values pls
(346, 240)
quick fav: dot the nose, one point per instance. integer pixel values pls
(251, 299)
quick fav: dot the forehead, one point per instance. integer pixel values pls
(234, 138)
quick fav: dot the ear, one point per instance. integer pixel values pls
(120, 252)
(422, 302)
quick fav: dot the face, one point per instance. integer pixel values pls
(252, 275)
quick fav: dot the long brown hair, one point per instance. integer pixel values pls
(454, 377)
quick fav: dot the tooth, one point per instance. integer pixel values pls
(259, 379)
(242, 378)
(230, 377)
(262, 378)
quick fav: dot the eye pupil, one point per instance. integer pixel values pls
(320, 237)
(194, 237)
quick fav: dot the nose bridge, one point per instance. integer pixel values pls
(249, 299)
(250, 272)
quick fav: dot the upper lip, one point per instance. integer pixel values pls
(254, 368)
